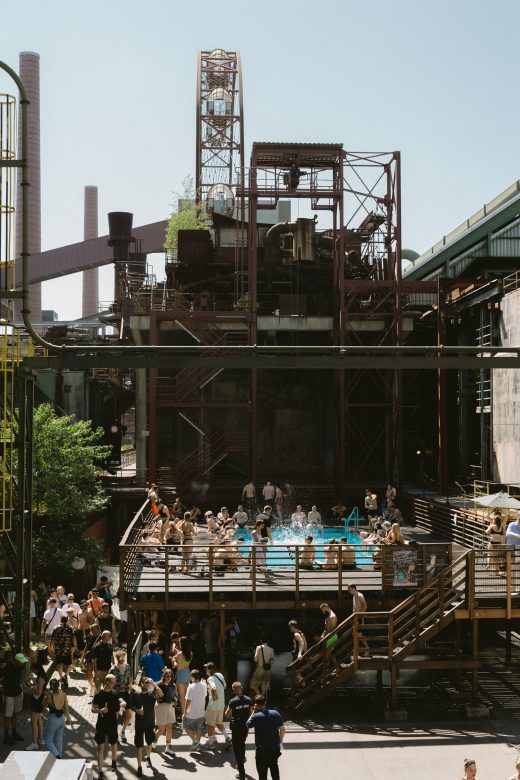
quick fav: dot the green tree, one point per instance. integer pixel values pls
(66, 488)
(186, 215)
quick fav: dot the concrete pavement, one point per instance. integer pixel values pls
(337, 749)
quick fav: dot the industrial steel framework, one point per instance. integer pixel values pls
(220, 129)
(361, 191)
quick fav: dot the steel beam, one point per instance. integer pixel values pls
(366, 359)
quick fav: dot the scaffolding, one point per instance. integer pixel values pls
(15, 391)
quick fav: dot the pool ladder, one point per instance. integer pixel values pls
(352, 518)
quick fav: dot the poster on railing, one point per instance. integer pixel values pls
(405, 568)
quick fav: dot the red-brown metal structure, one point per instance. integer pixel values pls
(220, 126)
(361, 192)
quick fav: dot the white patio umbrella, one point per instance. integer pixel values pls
(498, 500)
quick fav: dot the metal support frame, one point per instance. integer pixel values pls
(24, 516)
(219, 134)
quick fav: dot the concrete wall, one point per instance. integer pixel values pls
(506, 399)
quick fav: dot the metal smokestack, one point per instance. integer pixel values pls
(90, 292)
(30, 75)
(119, 238)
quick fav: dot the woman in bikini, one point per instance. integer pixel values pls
(182, 660)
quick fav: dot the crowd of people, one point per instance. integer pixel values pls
(178, 687)
(195, 540)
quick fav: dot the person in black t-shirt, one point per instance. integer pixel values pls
(106, 705)
(143, 704)
(239, 710)
(102, 658)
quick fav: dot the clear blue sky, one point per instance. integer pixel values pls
(439, 81)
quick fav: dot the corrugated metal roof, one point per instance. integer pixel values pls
(298, 144)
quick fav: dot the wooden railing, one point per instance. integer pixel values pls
(389, 635)
(129, 565)
(456, 524)
(481, 583)
(163, 572)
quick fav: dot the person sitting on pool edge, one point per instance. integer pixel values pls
(308, 554)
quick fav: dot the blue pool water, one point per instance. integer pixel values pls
(285, 538)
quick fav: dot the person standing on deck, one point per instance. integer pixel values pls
(359, 606)
(249, 499)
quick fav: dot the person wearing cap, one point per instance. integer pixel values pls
(470, 769)
(143, 704)
(269, 735)
(106, 706)
(214, 716)
(13, 696)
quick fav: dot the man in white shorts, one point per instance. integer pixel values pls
(216, 704)
(194, 705)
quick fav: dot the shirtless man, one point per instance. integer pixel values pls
(298, 517)
(331, 555)
(331, 619)
(359, 606)
(338, 510)
(308, 554)
(299, 641)
(314, 517)
(348, 554)
(249, 499)
(240, 517)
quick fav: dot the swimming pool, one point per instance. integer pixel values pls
(286, 537)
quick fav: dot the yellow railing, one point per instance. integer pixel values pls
(482, 487)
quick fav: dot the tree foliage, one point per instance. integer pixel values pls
(186, 215)
(66, 488)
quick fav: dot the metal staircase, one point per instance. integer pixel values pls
(217, 445)
(389, 636)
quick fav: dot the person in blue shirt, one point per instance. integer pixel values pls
(153, 663)
(513, 539)
(269, 736)
(239, 710)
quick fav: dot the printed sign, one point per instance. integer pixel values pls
(405, 568)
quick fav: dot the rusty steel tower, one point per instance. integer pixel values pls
(220, 130)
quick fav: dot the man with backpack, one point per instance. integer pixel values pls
(214, 715)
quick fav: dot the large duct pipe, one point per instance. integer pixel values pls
(90, 292)
(30, 77)
(272, 237)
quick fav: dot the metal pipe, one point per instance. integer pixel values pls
(23, 164)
